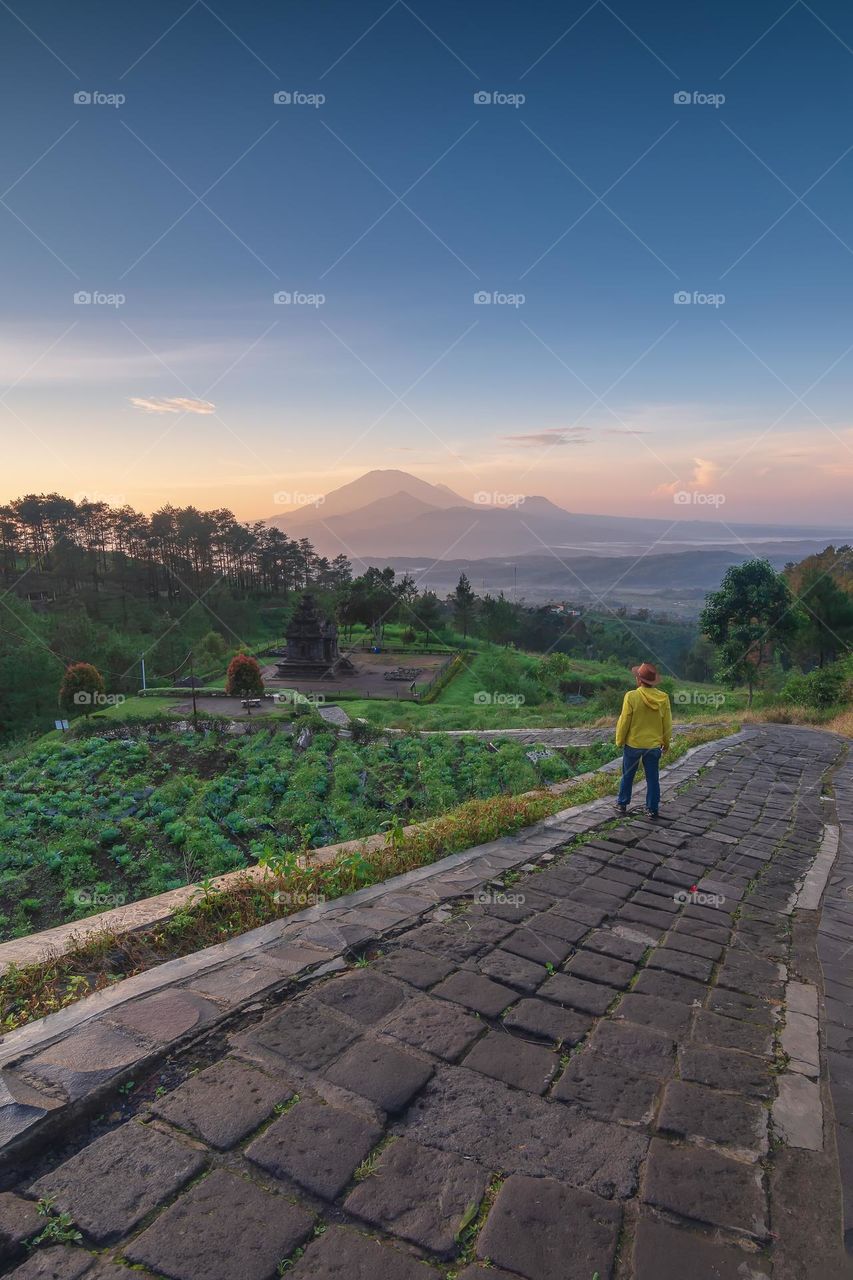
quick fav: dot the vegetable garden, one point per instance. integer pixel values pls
(96, 820)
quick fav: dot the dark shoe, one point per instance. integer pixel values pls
(653, 815)
(621, 809)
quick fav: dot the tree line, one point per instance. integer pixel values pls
(69, 545)
(760, 621)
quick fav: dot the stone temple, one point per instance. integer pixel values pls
(312, 650)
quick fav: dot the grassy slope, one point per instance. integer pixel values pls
(456, 707)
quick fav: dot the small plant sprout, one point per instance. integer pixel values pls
(366, 1167)
(59, 1228)
(395, 833)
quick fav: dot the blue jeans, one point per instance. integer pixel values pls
(631, 757)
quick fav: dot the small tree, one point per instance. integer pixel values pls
(210, 651)
(752, 612)
(244, 678)
(82, 688)
(427, 610)
(463, 602)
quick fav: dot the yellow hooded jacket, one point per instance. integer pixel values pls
(646, 719)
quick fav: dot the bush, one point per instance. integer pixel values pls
(824, 687)
(244, 678)
(504, 671)
(363, 731)
(311, 720)
(559, 674)
(609, 701)
(82, 688)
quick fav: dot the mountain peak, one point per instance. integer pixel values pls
(376, 486)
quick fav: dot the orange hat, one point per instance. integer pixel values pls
(646, 673)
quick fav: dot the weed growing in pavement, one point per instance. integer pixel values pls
(467, 1218)
(473, 1220)
(287, 1264)
(366, 1168)
(59, 1228)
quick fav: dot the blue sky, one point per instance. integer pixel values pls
(397, 199)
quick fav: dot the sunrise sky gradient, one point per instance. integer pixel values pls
(398, 199)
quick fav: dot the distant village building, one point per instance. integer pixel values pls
(311, 652)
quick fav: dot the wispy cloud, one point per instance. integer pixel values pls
(172, 404)
(550, 437)
(58, 354)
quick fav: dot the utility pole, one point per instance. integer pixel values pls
(192, 686)
(142, 660)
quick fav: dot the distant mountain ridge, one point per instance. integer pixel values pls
(375, 487)
(393, 513)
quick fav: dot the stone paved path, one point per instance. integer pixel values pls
(621, 1063)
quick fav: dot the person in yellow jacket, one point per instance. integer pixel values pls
(643, 732)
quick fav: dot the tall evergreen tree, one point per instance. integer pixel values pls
(463, 602)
